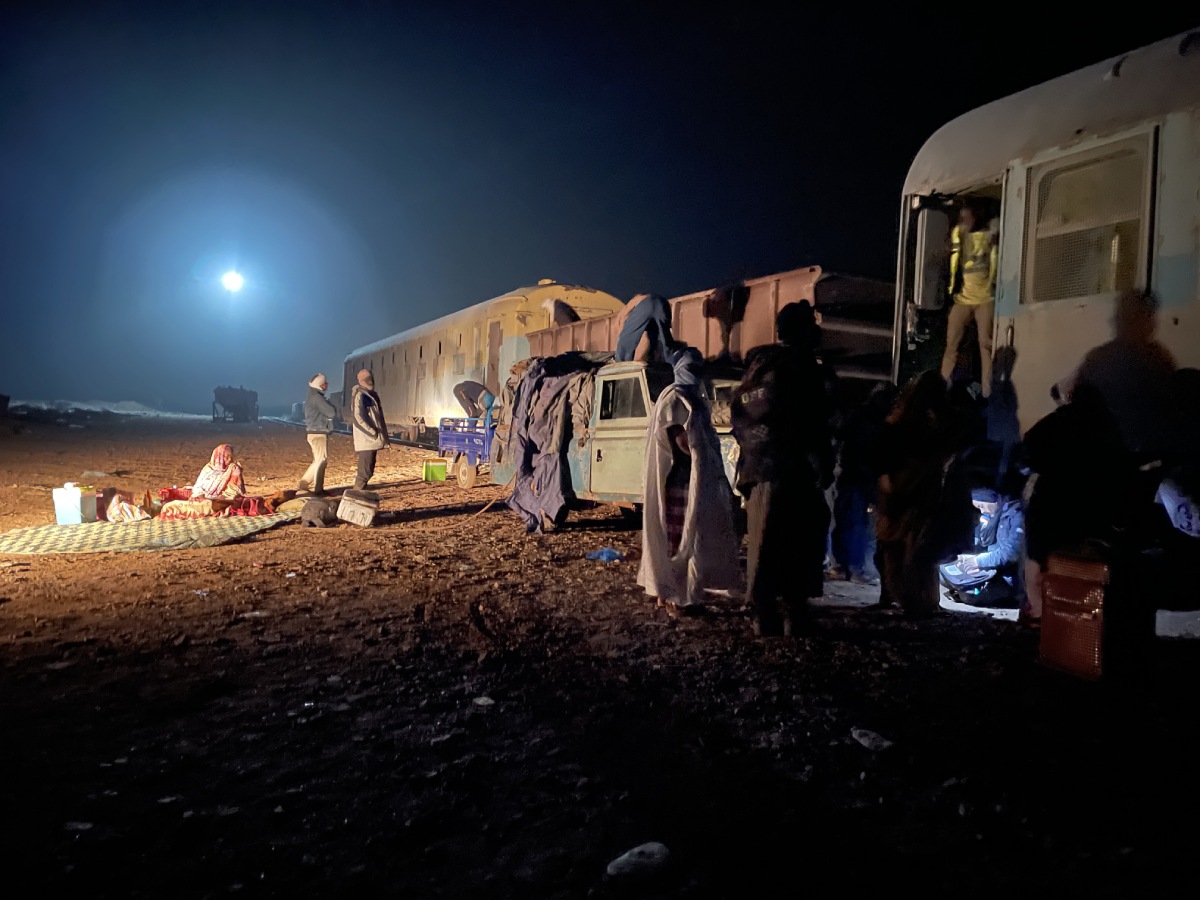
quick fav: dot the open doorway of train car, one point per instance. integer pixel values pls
(927, 287)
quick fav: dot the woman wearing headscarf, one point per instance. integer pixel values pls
(221, 478)
(688, 540)
(924, 506)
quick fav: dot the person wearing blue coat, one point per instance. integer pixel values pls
(999, 544)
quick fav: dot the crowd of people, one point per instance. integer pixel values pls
(912, 504)
(890, 491)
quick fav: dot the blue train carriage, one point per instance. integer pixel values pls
(416, 370)
(1094, 179)
(607, 463)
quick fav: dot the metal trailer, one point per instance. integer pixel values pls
(468, 442)
(232, 404)
(855, 316)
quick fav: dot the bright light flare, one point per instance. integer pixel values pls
(232, 282)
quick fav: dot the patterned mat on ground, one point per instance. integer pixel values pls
(106, 537)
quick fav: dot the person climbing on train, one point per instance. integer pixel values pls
(475, 399)
(973, 256)
(644, 330)
(370, 429)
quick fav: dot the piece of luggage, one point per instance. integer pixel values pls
(359, 507)
(1074, 590)
(319, 513)
(1097, 617)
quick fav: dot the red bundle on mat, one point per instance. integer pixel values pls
(166, 495)
(244, 506)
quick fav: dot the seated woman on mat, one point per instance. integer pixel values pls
(221, 478)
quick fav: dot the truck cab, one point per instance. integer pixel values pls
(607, 462)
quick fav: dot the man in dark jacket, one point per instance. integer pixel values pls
(780, 416)
(369, 427)
(319, 414)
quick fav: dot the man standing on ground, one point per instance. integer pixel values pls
(318, 422)
(780, 415)
(370, 430)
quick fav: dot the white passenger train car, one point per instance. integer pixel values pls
(416, 370)
(1097, 178)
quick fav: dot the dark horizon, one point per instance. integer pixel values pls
(369, 168)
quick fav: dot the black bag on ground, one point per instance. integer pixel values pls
(319, 513)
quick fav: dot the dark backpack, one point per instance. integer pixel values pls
(319, 513)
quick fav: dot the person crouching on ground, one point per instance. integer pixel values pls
(370, 429)
(318, 422)
(999, 545)
(688, 540)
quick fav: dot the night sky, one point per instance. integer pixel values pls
(368, 167)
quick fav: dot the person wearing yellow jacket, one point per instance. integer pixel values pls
(973, 255)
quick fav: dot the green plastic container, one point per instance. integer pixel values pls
(434, 470)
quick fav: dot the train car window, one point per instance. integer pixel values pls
(439, 348)
(622, 399)
(460, 340)
(421, 352)
(1087, 233)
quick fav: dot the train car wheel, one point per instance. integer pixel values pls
(465, 473)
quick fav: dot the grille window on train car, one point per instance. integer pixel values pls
(1086, 234)
(622, 399)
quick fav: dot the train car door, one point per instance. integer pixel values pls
(495, 337)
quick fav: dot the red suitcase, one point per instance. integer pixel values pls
(1074, 590)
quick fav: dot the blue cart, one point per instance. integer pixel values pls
(468, 442)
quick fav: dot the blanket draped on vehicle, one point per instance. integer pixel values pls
(551, 404)
(707, 555)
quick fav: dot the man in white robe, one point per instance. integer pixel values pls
(706, 556)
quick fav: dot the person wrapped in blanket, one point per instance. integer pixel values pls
(689, 546)
(218, 490)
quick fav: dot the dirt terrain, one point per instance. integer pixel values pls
(444, 706)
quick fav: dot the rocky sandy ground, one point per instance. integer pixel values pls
(444, 706)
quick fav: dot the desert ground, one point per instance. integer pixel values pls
(445, 706)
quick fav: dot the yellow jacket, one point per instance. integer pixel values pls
(973, 275)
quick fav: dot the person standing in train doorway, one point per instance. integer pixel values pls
(370, 429)
(973, 256)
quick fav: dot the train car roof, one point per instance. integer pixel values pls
(1100, 99)
(417, 330)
